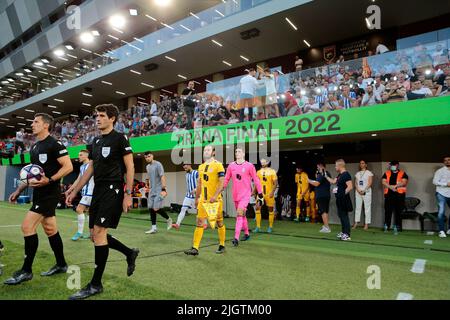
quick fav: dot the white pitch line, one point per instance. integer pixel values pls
(11, 226)
(428, 242)
(430, 233)
(418, 266)
(404, 296)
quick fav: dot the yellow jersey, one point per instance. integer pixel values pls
(301, 179)
(268, 178)
(209, 174)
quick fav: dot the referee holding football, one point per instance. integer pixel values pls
(52, 156)
(112, 157)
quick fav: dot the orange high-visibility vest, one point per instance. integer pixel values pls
(399, 179)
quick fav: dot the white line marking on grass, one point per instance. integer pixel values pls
(404, 296)
(428, 242)
(11, 226)
(430, 233)
(418, 266)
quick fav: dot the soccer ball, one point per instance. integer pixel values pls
(31, 173)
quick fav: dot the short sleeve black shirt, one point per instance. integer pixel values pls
(342, 183)
(45, 153)
(107, 153)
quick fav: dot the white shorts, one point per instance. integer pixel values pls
(86, 201)
(189, 203)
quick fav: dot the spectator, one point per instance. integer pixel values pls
(341, 59)
(153, 108)
(363, 194)
(442, 182)
(157, 124)
(298, 64)
(248, 86)
(394, 182)
(19, 141)
(418, 91)
(188, 95)
(271, 93)
(381, 48)
(348, 98)
(370, 98)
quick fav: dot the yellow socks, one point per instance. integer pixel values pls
(258, 218)
(198, 234)
(271, 218)
(221, 231)
(297, 212)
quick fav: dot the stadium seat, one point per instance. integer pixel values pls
(410, 213)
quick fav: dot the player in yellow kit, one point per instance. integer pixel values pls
(269, 182)
(209, 189)
(303, 193)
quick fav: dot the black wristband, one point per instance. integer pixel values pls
(50, 180)
(163, 189)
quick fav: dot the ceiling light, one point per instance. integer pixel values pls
(38, 63)
(227, 63)
(86, 50)
(27, 70)
(184, 27)
(56, 112)
(44, 60)
(95, 33)
(108, 83)
(87, 94)
(10, 79)
(217, 42)
(167, 26)
(59, 100)
(300, 141)
(135, 72)
(195, 16)
(51, 66)
(307, 43)
(133, 12)
(150, 17)
(162, 3)
(63, 59)
(220, 13)
(52, 107)
(59, 52)
(208, 81)
(87, 37)
(111, 36)
(117, 21)
(292, 25)
(5, 82)
(147, 85)
(86, 104)
(244, 58)
(69, 47)
(28, 110)
(19, 74)
(120, 92)
(374, 134)
(182, 77)
(171, 59)
(166, 91)
(118, 30)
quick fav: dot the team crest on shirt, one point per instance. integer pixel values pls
(106, 151)
(43, 158)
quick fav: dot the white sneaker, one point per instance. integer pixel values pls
(325, 230)
(339, 235)
(345, 237)
(448, 231)
(442, 234)
(151, 231)
(169, 223)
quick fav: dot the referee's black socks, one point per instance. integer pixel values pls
(101, 256)
(57, 247)
(31, 246)
(153, 216)
(163, 213)
(115, 244)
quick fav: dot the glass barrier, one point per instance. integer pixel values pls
(414, 73)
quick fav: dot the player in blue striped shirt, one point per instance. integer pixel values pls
(189, 199)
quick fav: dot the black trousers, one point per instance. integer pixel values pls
(189, 111)
(394, 204)
(21, 145)
(345, 220)
(242, 114)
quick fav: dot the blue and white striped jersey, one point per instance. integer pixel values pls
(88, 189)
(191, 183)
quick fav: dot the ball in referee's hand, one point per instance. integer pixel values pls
(31, 173)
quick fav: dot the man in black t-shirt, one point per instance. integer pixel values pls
(52, 156)
(112, 158)
(188, 96)
(322, 191)
(394, 182)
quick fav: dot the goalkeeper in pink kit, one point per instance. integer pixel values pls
(242, 173)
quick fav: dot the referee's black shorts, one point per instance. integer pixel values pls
(46, 204)
(106, 206)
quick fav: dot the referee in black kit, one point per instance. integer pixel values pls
(112, 157)
(52, 156)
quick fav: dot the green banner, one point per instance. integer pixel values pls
(400, 115)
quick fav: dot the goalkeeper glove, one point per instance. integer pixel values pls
(260, 199)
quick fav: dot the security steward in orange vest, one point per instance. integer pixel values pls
(394, 183)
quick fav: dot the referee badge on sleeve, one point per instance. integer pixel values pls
(212, 210)
(43, 158)
(106, 151)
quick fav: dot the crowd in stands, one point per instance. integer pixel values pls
(390, 77)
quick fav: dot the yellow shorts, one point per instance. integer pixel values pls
(269, 201)
(202, 214)
(305, 197)
(312, 196)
